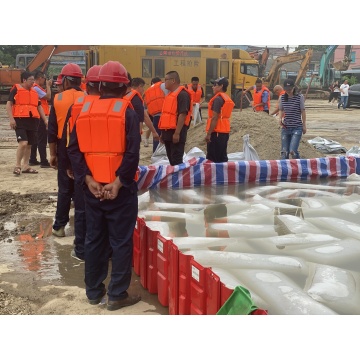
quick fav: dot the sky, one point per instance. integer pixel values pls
(161, 24)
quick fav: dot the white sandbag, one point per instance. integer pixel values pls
(249, 152)
(334, 287)
(281, 293)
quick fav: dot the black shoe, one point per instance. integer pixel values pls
(118, 304)
(34, 163)
(98, 300)
(45, 165)
(339, 106)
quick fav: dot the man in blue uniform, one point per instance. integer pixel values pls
(105, 147)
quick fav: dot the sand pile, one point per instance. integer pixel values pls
(264, 135)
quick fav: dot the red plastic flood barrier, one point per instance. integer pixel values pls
(143, 253)
(184, 283)
(225, 293)
(151, 260)
(173, 275)
(163, 255)
(204, 290)
(136, 248)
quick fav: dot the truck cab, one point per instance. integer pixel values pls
(245, 71)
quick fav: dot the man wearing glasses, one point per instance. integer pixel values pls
(24, 111)
(218, 124)
(175, 118)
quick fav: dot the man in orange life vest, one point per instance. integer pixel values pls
(92, 92)
(261, 96)
(135, 95)
(71, 79)
(104, 149)
(218, 124)
(197, 92)
(175, 118)
(41, 143)
(154, 98)
(24, 111)
(278, 91)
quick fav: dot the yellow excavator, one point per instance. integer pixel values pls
(274, 76)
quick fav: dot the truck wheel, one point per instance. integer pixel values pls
(245, 101)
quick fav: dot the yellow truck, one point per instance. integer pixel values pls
(207, 63)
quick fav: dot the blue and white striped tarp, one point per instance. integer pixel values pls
(201, 172)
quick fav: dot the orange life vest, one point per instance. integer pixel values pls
(129, 96)
(100, 128)
(43, 101)
(154, 98)
(26, 103)
(169, 114)
(62, 102)
(75, 111)
(195, 95)
(223, 122)
(257, 98)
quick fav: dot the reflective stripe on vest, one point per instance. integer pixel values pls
(100, 129)
(62, 103)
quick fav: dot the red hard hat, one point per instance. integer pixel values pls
(71, 69)
(93, 74)
(58, 80)
(113, 71)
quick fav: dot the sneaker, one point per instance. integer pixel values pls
(146, 142)
(45, 165)
(60, 232)
(34, 163)
(73, 254)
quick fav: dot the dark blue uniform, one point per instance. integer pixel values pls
(65, 183)
(110, 223)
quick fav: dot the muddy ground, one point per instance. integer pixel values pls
(28, 203)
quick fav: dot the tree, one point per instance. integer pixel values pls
(8, 52)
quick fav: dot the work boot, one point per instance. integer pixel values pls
(118, 304)
(60, 232)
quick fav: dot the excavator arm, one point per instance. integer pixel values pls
(344, 64)
(43, 57)
(304, 66)
(273, 77)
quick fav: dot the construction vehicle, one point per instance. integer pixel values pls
(207, 63)
(41, 61)
(277, 75)
(328, 73)
(262, 57)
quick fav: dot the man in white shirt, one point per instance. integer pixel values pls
(344, 90)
